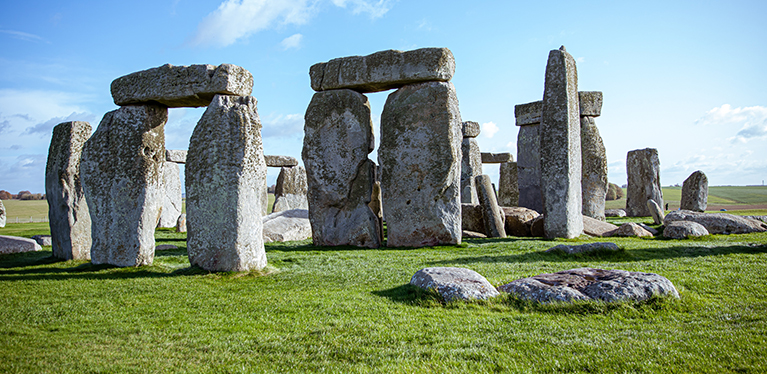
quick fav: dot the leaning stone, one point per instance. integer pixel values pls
(590, 103)
(175, 155)
(695, 192)
(43, 240)
(290, 190)
(472, 218)
(473, 234)
(14, 244)
(2, 214)
(454, 283)
(383, 70)
(470, 129)
(528, 114)
(718, 223)
(287, 225)
(276, 161)
(584, 248)
(471, 167)
(630, 229)
(121, 173)
(225, 178)
(171, 202)
(643, 169)
(508, 186)
(561, 148)
(615, 213)
(591, 284)
(420, 154)
(181, 86)
(491, 213)
(181, 223)
(595, 227)
(518, 220)
(496, 158)
(684, 229)
(68, 215)
(529, 167)
(376, 207)
(338, 136)
(594, 169)
(656, 211)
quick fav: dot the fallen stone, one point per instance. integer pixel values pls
(496, 158)
(181, 86)
(615, 213)
(175, 155)
(684, 229)
(528, 114)
(518, 220)
(630, 229)
(695, 192)
(280, 161)
(471, 167)
(591, 284)
(473, 234)
(383, 70)
(14, 244)
(656, 211)
(454, 283)
(643, 169)
(43, 240)
(590, 103)
(472, 218)
(594, 168)
(718, 223)
(758, 218)
(290, 190)
(529, 167)
(171, 201)
(165, 247)
(648, 228)
(470, 129)
(584, 248)
(287, 225)
(508, 185)
(492, 215)
(595, 227)
(181, 223)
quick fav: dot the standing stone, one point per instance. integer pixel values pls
(181, 223)
(492, 214)
(290, 190)
(508, 187)
(528, 155)
(121, 173)
(171, 203)
(2, 214)
(643, 169)
(420, 156)
(471, 167)
(377, 208)
(594, 173)
(225, 178)
(695, 192)
(561, 148)
(68, 214)
(338, 136)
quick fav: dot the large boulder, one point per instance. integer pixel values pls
(643, 169)
(684, 229)
(718, 223)
(290, 190)
(518, 220)
(595, 227)
(695, 192)
(472, 218)
(287, 225)
(454, 283)
(615, 213)
(14, 244)
(630, 229)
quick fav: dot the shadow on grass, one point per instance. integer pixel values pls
(411, 295)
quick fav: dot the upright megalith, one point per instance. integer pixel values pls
(560, 148)
(471, 162)
(508, 184)
(68, 214)
(420, 157)
(121, 173)
(695, 192)
(338, 136)
(643, 169)
(492, 215)
(225, 178)
(593, 156)
(171, 200)
(528, 155)
(2, 214)
(290, 189)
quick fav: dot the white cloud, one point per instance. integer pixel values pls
(47, 126)
(293, 41)
(489, 129)
(376, 9)
(289, 125)
(24, 36)
(753, 121)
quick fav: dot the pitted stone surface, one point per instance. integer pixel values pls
(584, 248)
(518, 220)
(529, 167)
(656, 212)
(43, 240)
(595, 227)
(630, 229)
(718, 223)
(181, 86)
(695, 192)
(121, 173)
(508, 185)
(590, 103)
(225, 182)
(591, 284)
(171, 202)
(470, 129)
(70, 221)
(643, 169)
(338, 136)
(528, 114)
(472, 218)
(471, 167)
(496, 158)
(276, 161)
(383, 70)
(420, 158)
(377, 208)
(287, 225)
(684, 229)
(15, 244)
(290, 190)
(492, 215)
(454, 283)
(175, 155)
(594, 169)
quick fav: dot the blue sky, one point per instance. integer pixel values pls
(686, 77)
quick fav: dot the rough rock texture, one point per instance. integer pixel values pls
(648, 228)
(508, 186)
(121, 173)
(615, 213)
(472, 218)
(383, 70)
(591, 284)
(584, 248)
(454, 283)
(561, 148)
(529, 167)
(181, 86)
(175, 155)
(290, 190)
(590, 103)
(15, 244)
(420, 156)
(629, 229)
(287, 225)
(225, 178)
(181, 223)
(518, 220)
(338, 135)
(594, 169)
(471, 167)
(70, 221)
(496, 158)
(43, 240)
(595, 227)
(643, 169)
(684, 229)
(718, 223)
(470, 129)
(472, 234)
(280, 161)
(165, 247)
(492, 215)
(377, 208)
(171, 203)
(528, 114)
(695, 192)
(758, 218)
(536, 226)
(655, 211)
(3, 215)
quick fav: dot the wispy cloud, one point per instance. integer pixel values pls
(293, 41)
(47, 126)
(24, 36)
(752, 121)
(489, 129)
(4, 125)
(288, 125)
(376, 9)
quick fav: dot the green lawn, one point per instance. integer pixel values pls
(717, 195)
(351, 310)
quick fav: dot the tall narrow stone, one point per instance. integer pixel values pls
(643, 169)
(121, 173)
(594, 173)
(420, 156)
(338, 136)
(172, 201)
(561, 148)
(471, 162)
(225, 177)
(508, 186)
(68, 214)
(695, 192)
(2, 214)
(492, 215)
(528, 155)
(290, 190)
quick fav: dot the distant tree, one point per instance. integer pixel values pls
(271, 188)
(31, 196)
(21, 195)
(5, 195)
(613, 192)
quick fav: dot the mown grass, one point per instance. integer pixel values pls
(351, 310)
(717, 195)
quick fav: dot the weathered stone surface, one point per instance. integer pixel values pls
(181, 86)
(454, 283)
(287, 225)
(165, 247)
(171, 202)
(290, 190)
(758, 218)
(630, 229)
(648, 228)
(290, 202)
(121, 173)
(584, 248)
(718, 223)
(492, 215)
(655, 211)
(496, 158)
(181, 223)
(420, 158)
(684, 229)
(590, 103)
(508, 186)
(68, 215)
(595, 227)
(277, 161)
(338, 135)
(383, 70)
(518, 220)
(472, 218)
(643, 169)
(15, 244)
(561, 148)
(471, 167)
(473, 234)
(225, 178)
(175, 155)
(529, 167)
(695, 192)
(470, 129)
(615, 213)
(3, 215)
(536, 226)
(528, 114)
(43, 240)
(377, 207)
(591, 284)
(594, 169)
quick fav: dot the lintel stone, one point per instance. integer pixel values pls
(496, 158)
(274, 161)
(470, 129)
(175, 155)
(590, 103)
(528, 114)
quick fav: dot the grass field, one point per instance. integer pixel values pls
(735, 198)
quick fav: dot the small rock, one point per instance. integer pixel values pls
(473, 234)
(43, 240)
(454, 283)
(15, 244)
(630, 229)
(684, 229)
(615, 213)
(583, 248)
